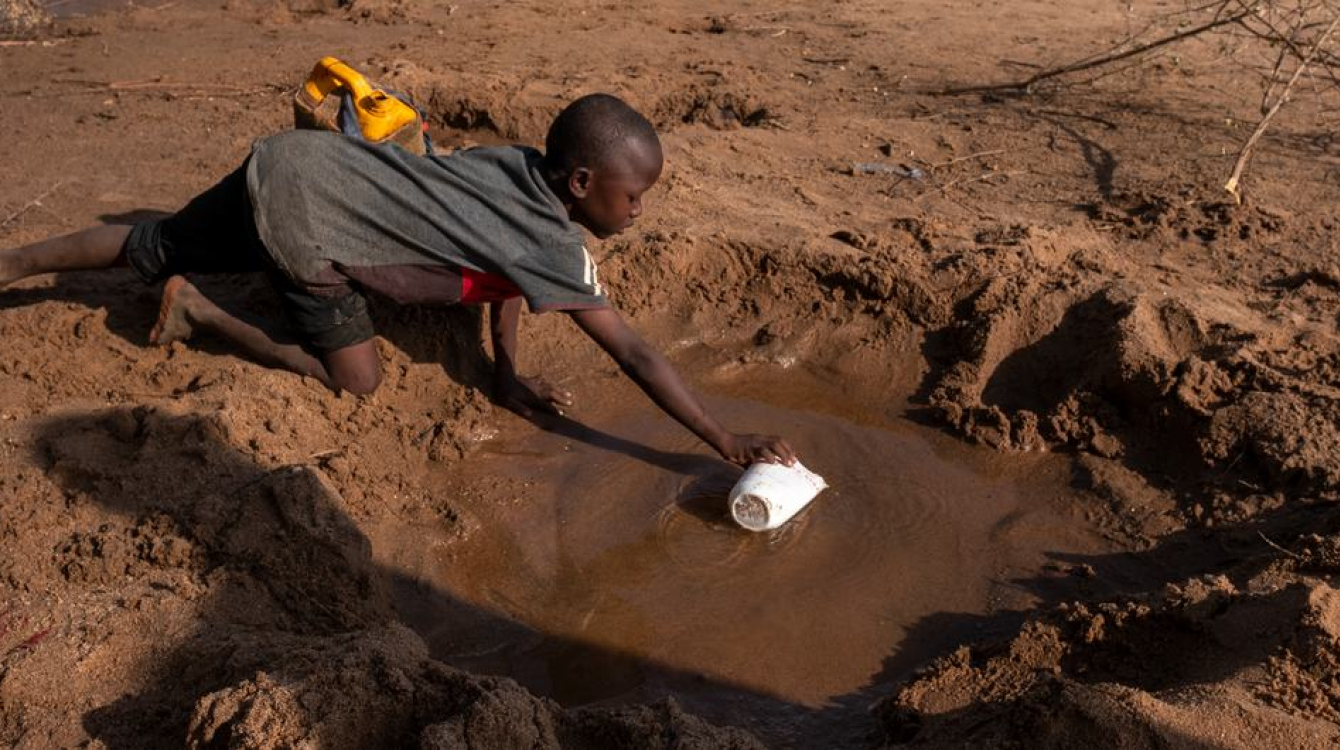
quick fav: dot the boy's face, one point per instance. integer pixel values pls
(608, 198)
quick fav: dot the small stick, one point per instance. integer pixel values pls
(1266, 539)
(30, 204)
(32, 42)
(185, 93)
(214, 94)
(760, 14)
(1241, 164)
(132, 86)
(943, 189)
(135, 85)
(977, 155)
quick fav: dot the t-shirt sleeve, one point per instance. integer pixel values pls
(564, 280)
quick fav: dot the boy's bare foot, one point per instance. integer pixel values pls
(174, 322)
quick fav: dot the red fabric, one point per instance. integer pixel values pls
(477, 286)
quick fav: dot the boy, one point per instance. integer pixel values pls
(328, 217)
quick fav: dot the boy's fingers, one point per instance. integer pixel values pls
(552, 394)
(776, 451)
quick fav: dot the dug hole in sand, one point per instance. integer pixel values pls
(1077, 405)
(608, 567)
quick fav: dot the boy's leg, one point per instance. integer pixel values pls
(355, 368)
(213, 233)
(95, 247)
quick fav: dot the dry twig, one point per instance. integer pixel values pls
(1266, 539)
(944, 189)
(967, 157)
(32, 42)
(30, 204)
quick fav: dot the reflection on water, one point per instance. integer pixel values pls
(611, 562)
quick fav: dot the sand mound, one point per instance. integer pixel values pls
(22, 18)
(378, 688)
(1136, 673)
(1041, 357)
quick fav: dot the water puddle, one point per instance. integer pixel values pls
(607, 568)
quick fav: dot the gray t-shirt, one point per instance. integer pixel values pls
(333, 210)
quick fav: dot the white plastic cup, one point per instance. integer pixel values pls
(769, 495)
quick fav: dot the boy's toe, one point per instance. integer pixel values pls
(172, 324)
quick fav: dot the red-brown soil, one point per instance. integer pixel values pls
(186, 555)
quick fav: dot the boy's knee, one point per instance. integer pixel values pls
(356, 369)
(359, 383)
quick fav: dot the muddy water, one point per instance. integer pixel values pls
(606, 568)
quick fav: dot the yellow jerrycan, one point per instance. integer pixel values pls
(381, 117)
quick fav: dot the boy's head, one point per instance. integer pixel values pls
(600, 157)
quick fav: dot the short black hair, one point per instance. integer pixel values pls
(589, 130)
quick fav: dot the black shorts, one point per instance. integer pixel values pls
(216, 233)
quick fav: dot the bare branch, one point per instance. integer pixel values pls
(1274, 79)
(1233, 180)
(1275, 35)
(1076, 67)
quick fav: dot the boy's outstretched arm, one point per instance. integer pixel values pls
(658, 379)
(512, 391)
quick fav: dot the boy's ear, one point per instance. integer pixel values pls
(579, 182)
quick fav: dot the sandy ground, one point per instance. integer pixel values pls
(200, 551)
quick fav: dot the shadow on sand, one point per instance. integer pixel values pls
(282, 567)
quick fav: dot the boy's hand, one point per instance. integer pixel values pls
(524, 395)
(748, 449)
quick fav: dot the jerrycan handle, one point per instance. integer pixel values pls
(330, 74)
(379, 115)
